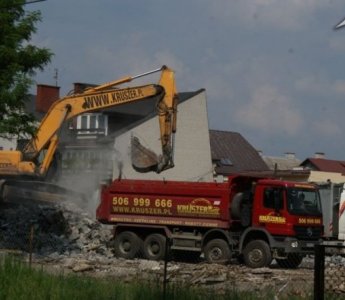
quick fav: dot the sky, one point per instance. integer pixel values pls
(273, 70)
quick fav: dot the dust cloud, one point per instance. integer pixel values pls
(86, 180)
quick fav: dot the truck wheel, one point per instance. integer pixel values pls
(257, 254)
(127, 245)
(292, 261)
(154, 247)
(217, 251)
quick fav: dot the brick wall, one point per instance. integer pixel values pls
(46, 95)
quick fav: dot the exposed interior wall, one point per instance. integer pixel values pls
(192, 154)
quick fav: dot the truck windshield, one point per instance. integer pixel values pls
(303, 202)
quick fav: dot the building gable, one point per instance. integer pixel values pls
(232, 153)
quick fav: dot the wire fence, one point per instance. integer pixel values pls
(329, 273)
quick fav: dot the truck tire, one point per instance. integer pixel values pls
(154, 246)
(257, 254)
(127, 245)
(217, 251)
(292, 261)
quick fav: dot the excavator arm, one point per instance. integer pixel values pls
(144, 159)
(94, 99)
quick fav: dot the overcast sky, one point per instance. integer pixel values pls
(273, 70)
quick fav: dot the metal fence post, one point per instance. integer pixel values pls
(165, 279)
(31, 237)
(319, 272)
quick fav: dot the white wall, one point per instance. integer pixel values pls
(318, 176)
(8, 144)
(192, 154)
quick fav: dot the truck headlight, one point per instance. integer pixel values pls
(294, 244)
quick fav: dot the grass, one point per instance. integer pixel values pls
(20, 282)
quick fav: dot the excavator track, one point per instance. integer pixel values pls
(13, 190)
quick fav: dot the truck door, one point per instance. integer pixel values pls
(270, 211)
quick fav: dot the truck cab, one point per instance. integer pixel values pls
(285, 215)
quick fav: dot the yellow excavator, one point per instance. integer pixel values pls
(22, 173)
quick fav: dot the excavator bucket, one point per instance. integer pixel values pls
(143, 159)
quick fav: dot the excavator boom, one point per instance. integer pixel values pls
(24, 163)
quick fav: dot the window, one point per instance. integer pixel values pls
(101, 121)
(92, 123)
(272, 196)
(84, 121)
(303, 201)
(226, 162)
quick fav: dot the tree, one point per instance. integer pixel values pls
(19, 61)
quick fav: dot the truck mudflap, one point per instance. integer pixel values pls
(293, 245)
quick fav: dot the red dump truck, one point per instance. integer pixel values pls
(253, 219)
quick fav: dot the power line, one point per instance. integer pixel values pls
(21, 4)
(33, 1)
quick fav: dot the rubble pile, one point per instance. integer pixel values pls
(335, 274)
(48, 229)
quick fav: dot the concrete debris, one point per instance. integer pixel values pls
(263, 271)
(82, 267)
(149, 265)
(52, 230)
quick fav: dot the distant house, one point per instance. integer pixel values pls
(324, 165)
(322, 169)
(287, 162)
(286, 167)
(232, 153)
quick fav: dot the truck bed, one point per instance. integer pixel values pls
(153, 202)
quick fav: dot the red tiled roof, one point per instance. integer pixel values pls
(325, 165)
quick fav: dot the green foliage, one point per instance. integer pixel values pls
(19, 60)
